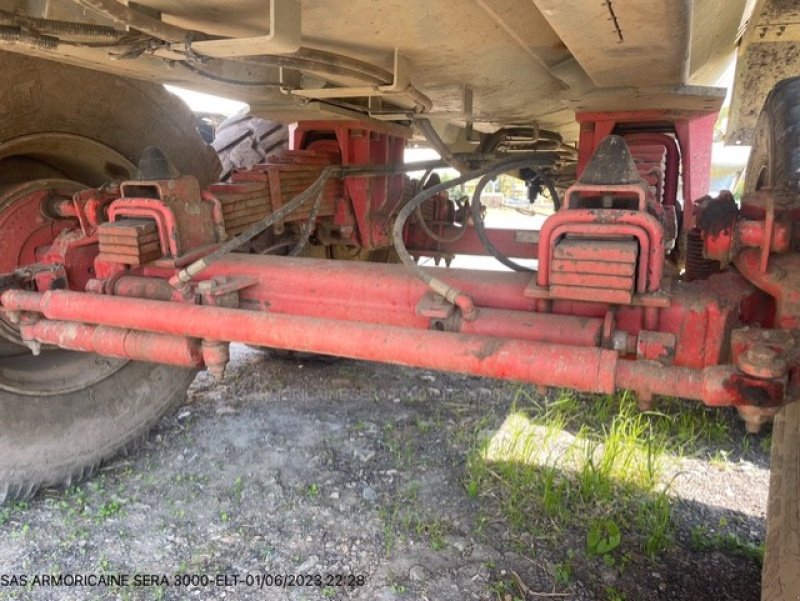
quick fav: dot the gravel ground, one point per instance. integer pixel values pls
(305, 466)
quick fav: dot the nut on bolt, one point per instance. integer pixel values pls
(760, 361)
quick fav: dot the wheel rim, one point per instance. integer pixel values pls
(63, 161)
(61, 156)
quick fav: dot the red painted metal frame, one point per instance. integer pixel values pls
(116, 342)
(600, 370)
(372, 201)
(521, 244)
(694, 132)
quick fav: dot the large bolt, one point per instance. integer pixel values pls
(760, 361)
(216, 356)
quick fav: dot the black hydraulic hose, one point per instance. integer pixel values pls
(477, 220)
(16, 35)
(61, 28)
(453, 295)
(548, 182)
(423, 224)
(305, 59)
(308, 226)
(433, 235)
(187, 273)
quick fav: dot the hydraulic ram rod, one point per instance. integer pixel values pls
(587, 369)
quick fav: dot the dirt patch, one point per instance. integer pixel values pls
(308, 467)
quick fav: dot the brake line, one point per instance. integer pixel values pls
(308, 227)
(477, 220)
(453, 295)
(423, 224)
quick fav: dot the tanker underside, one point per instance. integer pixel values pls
(125, 265)
(468, 64)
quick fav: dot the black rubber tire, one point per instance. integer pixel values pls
(775, 156)
(775, 165)
(124, 114)
(242, 141)
(53, 437)
(60, 440)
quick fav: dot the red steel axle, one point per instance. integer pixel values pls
(600, 370)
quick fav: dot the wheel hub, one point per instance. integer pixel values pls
(25, 223)
(29, 228)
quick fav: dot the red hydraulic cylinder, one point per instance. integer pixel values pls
(582, 368)
(116, 342)
(541, 327)
(142, 287)
(357, 291)
(587, 369)
(502, 323)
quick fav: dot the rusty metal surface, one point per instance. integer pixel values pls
(769, 52)
(546, 364)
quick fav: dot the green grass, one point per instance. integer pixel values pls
(406, 518)
(704, 540)
(8, 511)
(109, 509)
(237, 491)
(591, 464)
